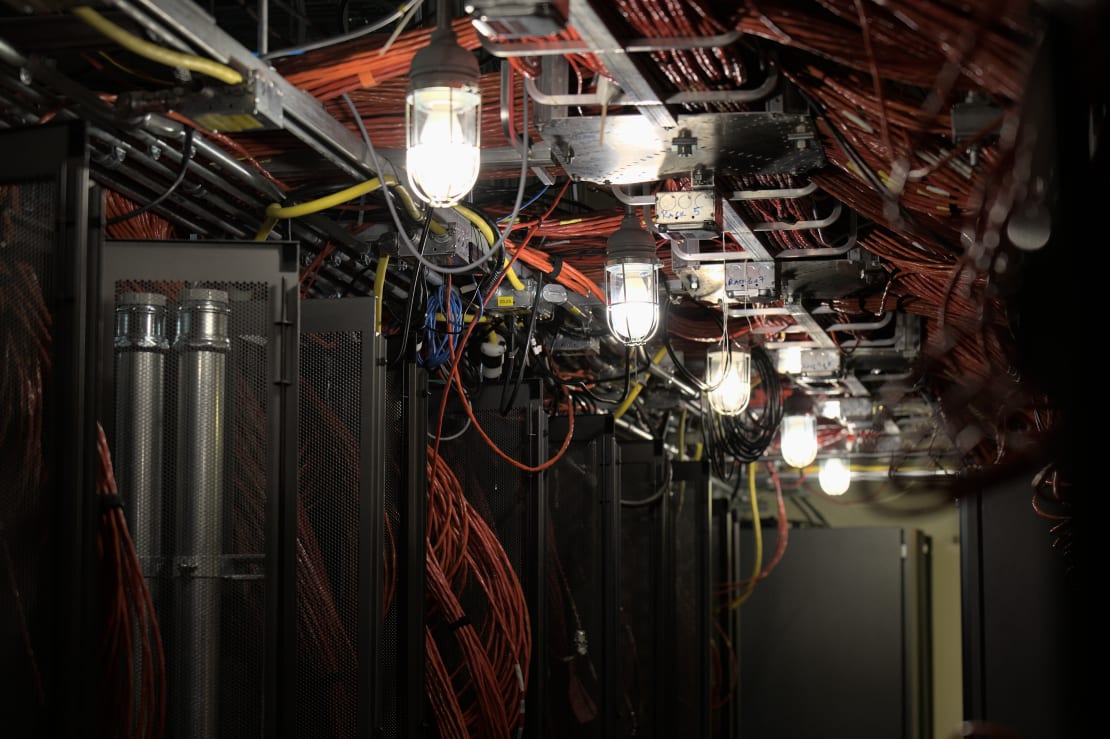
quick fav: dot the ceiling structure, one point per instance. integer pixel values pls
(875, 196)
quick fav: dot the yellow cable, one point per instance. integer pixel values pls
(511, 276)
(265, 229)
(157, 53)
(698, 450)
(479, 222)
(483, 226)
(468, 318)
(379, 289)
(277, 211)
(757, 564)
(682, 434)
(636, 388)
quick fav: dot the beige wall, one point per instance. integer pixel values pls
(935, 514)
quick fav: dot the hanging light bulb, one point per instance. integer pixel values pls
(631, 284)
(443, 115)
(798, 431)
(728, 373)
(835, 475)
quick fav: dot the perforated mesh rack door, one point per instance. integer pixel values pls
(688, 578)
(583, 548)
(665, 582)
(223, 575)
(724, 560)
(47, 432)
(357, 646)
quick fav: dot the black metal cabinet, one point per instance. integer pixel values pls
(834, 643)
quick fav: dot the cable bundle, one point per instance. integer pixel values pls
(145, 226)
(910, 40)
(445, 303)
(328, 73)
(687, 69)
(26, 323)
(747, 435)
(478, 657)
(133, 670)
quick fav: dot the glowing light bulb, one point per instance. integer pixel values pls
(631, 286)
(633, 301)
(798, 431)
(443, 155)
(728, 373)
(835, 475)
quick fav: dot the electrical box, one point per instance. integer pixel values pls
(253, 105)
(750, 281)
(514, 19)
(687, 210)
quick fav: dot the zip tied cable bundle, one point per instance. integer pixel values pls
(478, 659)
(132, 688)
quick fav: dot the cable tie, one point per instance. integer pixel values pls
(464, 621)
(556, 267)
(110, 502)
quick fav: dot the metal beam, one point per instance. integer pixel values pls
(304, 116)
(625, 69)
(733, 224)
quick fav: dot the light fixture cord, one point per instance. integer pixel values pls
(441, 14)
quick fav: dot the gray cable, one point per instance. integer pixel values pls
(350, 36)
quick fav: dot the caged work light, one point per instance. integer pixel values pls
(443, 116)
(631, 283)
(835, 475)
(834, 472)
(728, 373)
(798, 432)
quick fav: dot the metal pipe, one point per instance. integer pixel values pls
(776, 194)
(140, 347)
(201, 347)
(679, 98)
(800, 225)
(629, 199)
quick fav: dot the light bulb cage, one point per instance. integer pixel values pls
(728, 379)
(442, 159)
(798, 442)
(631, 261)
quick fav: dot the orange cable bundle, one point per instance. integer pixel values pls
(328, 73)
(146, 226)
(482, 696)
(133, 688)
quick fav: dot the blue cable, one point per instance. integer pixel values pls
(437, 347)
(534, 198)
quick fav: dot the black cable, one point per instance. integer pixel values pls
(806, 503)
(186, 156)
(747, 435)
(417, 285)
(506, 405)
(683, 370)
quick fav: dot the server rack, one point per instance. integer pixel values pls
(665, 593)
(724, 560)
(225, 510)
(50, 245)
(513, 503)
(361, 521)
(584, 697)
